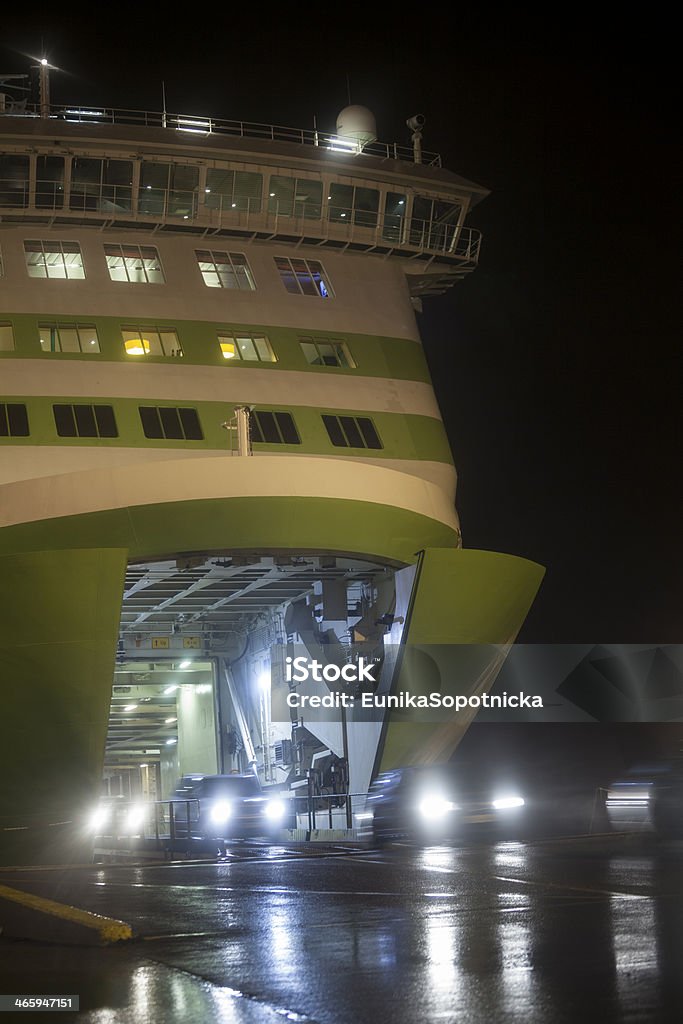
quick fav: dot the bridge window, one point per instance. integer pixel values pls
(252, 347)
(6, 337)
(394, 212)
(353, 203)
(85, 421)
(273, 428)
(50, 182)
(295, 197)
(151, 341)
(225, 269)
(13, 420)
(101, 184)
(303, 277)
(352, 432)
(68, 338)
(173, 424)
(434, 223)
(14, 171)
(54, 259)
(233, 190)
(168, 189)
(326, 353)
(137, 264)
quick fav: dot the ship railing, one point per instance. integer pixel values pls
(188, 125)
(264, 217)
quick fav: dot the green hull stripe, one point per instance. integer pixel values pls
(375, 355)
(239, 524)
(404, 437)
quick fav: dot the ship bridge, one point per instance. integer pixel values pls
(215, 178)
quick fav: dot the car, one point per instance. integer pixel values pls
(427, 805)
(225, 807)
(649, 798)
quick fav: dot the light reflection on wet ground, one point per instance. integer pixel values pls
(559, 932)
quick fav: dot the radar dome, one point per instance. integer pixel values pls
(357, 123)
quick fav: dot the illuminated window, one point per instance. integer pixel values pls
(85, 421)
(54, 259)
(137, 264)
(303, 277)
(273, 428)
(225, 269)
(68, 338)
(253, 348)
(352, 432)
(170, 423)
(13, 420)
(151, 341)
(6, 337)
(326, 353)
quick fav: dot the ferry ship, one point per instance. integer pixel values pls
(218, 434)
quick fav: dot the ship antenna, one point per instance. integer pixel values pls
(163, 104)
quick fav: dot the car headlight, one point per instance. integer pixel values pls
(135, 818)
(435, 807)
(220, 812)
(99, 817)
(275, 810)
(505, 803)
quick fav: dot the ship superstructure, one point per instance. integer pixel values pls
(214, 401)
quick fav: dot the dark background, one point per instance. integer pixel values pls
(555, 363)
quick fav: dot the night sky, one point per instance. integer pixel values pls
(555, 363)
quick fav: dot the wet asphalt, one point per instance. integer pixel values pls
(548, 933)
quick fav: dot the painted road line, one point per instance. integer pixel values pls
(25, 916)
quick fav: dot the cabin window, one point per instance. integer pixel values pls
(352, 432)
(13, 420)
(151, 341)
(6, 337)
(320, 352)
(303, 277)
(221, 269)
(54, 259)
(249, 347)
(68, 338)
(273, 428)
(85, 421)
(172, 424)
(136, 264)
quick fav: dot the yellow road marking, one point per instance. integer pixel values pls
(108, 928)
